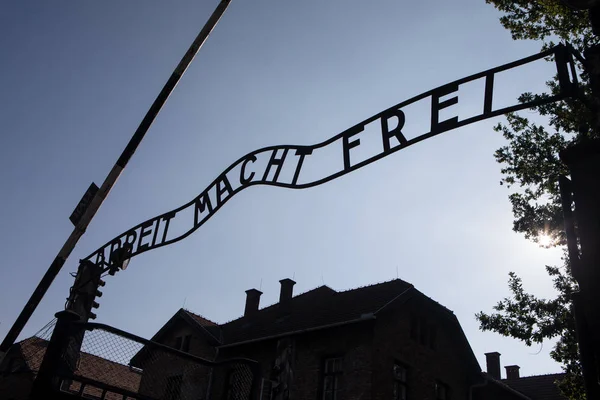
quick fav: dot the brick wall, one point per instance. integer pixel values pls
(350, 342)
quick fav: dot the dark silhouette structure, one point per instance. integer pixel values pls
(385, 341)
(536, 387)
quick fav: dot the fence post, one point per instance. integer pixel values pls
(55, 359)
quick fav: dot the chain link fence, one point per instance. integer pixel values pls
(235, 382)
(101, 362)
(25, 357)
(107, 363)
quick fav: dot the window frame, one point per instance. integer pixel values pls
(262, 388)
(399, 382)
(232, 378)
(422, 331)
(335, 374)
(185, 345)
(441, 384)
(178, 342)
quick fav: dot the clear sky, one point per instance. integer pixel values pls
(78, 76)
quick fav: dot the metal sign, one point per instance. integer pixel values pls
(83, 204)
(265, 166)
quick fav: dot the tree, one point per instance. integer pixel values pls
(531, 167)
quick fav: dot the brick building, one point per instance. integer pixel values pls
(385, 341)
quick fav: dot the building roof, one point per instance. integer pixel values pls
(207, 327)
(203, 326)
(538, 387)
(504, 386)
(319, 307)
(33, 349)
(200, 319)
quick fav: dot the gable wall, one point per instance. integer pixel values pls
(443, 362)
(161, 366)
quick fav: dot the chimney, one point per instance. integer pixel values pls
(512, 372)
(252, 301)
(287, 290)
(493, 364)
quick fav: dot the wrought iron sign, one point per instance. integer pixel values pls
(265, 166)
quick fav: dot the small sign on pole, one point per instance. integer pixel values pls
(83, 204)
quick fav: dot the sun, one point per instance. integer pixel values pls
(544, 240)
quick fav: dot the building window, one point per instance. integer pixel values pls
(186, 343)
(266, 389)
(400, 382)
(173, 389)
(441, 391)
(331, 378)
(422, 332)
(237, 384)
(183, 343)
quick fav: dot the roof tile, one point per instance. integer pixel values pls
(200, 319)
(538, 387)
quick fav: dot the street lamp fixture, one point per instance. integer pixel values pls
(119, 258)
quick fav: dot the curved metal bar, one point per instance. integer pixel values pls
(202, 204)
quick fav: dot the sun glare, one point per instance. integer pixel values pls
(544, 240)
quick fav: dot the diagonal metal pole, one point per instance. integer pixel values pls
(110, 180)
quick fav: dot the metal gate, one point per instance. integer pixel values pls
(89, 360)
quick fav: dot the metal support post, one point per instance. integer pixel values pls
(58, 359)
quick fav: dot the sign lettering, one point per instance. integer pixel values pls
(283, 165)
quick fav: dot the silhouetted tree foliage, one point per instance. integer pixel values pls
(530, 168)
